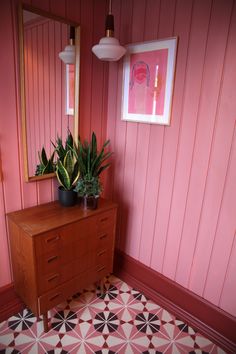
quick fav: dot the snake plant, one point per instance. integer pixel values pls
(59, 147)
(91, 161)
(46, 165)
(67, 171)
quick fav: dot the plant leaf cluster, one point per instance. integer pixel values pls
(67, 171)
(46, 165)
(88, 186)
(91, 161)
(77, 165)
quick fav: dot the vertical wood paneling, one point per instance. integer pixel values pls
(133, 158)
(164, 187)
(8, 136)
(114, 111)
(14, 192)
(5, 274)
(152, 26)
(223, 253)
(182, 25)
(143, 140)
(224, 238)
(86, 68)
(173, 183)
(216, 46)
(98, 72)
(217, 174)
(196, 53)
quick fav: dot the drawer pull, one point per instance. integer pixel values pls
(51, 259)
(104, 219)
(103, 236)
(53, 277)
(101, 253)
(101, 269)
(54, 238)
(54, 297)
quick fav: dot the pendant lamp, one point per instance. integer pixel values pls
(68, 55)
(109, 48)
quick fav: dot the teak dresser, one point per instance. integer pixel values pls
(56, 251)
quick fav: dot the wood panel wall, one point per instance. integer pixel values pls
(176, 185)
(14, 192)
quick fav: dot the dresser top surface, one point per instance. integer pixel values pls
(42, 218)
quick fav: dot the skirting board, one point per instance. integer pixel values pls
(10, 304)
(214, 323)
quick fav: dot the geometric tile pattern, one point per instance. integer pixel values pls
(121, 320)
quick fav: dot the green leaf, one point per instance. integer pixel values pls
(68, 163)
(63, 176)
(103, 168)
(44, 157)
(75, 174)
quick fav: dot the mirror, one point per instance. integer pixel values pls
(49, 87)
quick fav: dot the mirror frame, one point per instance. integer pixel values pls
(75, 132)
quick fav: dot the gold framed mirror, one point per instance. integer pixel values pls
(49, 87)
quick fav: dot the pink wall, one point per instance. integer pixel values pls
(14, 192)
(176, 185)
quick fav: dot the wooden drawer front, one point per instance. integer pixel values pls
(48, 282)
(49, 263)
(103, 257)
(48, 242)
(104, 239)
(68, 242)
(99, 272)
(63, 292)
(100, 259)
(74, 268)
(73, 232)
(106, 220)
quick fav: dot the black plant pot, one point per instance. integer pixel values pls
(67, 198)
(91, 202)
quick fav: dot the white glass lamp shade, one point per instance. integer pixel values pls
(108, 49)
(68, 55)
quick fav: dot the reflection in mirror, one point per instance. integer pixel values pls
(49, 88)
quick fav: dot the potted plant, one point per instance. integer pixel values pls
(67, 170)
(89, 189)
(92, 163)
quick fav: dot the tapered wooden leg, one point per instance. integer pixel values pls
(102, 287)
(45, 322)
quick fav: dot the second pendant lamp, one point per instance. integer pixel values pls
(109, 48)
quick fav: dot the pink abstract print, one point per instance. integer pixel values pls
(147, 82)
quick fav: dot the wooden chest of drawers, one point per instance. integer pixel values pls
(57, 251)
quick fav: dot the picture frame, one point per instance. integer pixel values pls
(70, 89)
(148, 80)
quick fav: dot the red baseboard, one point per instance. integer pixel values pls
(10, 303)
(216, 324)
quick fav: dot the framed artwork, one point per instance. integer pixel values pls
(148, 78)
(70, 89)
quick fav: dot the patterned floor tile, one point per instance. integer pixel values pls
(120, 320)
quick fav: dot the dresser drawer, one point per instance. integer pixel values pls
(62, 292)
(104, 239)
(49, 262)
(106, 220)
(68, 242)
(47, 242)
(48, 282)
